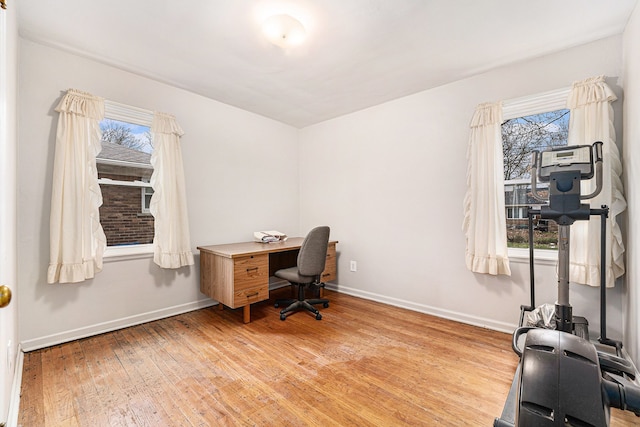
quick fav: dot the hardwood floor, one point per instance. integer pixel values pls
(363, 364)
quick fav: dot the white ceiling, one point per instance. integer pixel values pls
(358, 53)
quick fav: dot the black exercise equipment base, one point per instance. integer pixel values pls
(563, 377)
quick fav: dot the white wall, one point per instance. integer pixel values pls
(631, 164)
(241, 173)
(390, 180)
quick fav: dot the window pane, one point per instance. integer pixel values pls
(125, 156)
(520, 137)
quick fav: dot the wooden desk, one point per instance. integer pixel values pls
(237, 274)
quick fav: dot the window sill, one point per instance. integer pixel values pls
(540, 256)
(127, 252)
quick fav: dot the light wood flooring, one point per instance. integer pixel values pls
(363, 364)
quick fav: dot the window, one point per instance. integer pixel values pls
(520, 137)
(147, 192)
(517, 212)
(124, 172)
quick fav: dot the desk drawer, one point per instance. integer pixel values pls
(330, 268)
(242, 297)
(250, 271)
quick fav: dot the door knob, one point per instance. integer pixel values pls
(5, 296)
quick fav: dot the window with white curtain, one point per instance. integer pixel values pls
(77, 240)
(589, 102)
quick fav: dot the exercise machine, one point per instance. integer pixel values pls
(564, 379)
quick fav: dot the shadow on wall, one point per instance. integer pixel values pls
(167, 276)
(517, 283)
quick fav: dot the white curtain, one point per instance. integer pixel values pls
(592, 120)
(171, 242)
(77, 241)
(484, 212)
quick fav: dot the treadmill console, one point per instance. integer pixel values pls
(560, 159)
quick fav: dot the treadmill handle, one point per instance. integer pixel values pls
(516, 334)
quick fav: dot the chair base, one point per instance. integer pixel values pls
(301, 304)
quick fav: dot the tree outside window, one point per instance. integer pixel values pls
(520, 137)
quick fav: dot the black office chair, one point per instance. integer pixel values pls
(310, 264)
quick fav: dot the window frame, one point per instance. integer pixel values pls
(525, 106)
(140, 116)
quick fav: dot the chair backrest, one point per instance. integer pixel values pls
(313, 252)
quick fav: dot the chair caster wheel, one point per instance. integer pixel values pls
(325, 305)
(283, 317)
(276, 305)
(318, 316)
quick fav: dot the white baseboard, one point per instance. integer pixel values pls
(66, 336)
(421, 308)
(14, 402)
(112, 325)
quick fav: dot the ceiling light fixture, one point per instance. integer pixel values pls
(284, 30)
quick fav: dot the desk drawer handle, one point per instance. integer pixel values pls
(255, 294)
(252, 269)
(326, 274)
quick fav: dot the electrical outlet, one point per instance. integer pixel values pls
(353, 266)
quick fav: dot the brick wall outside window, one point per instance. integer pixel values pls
(121, 214)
